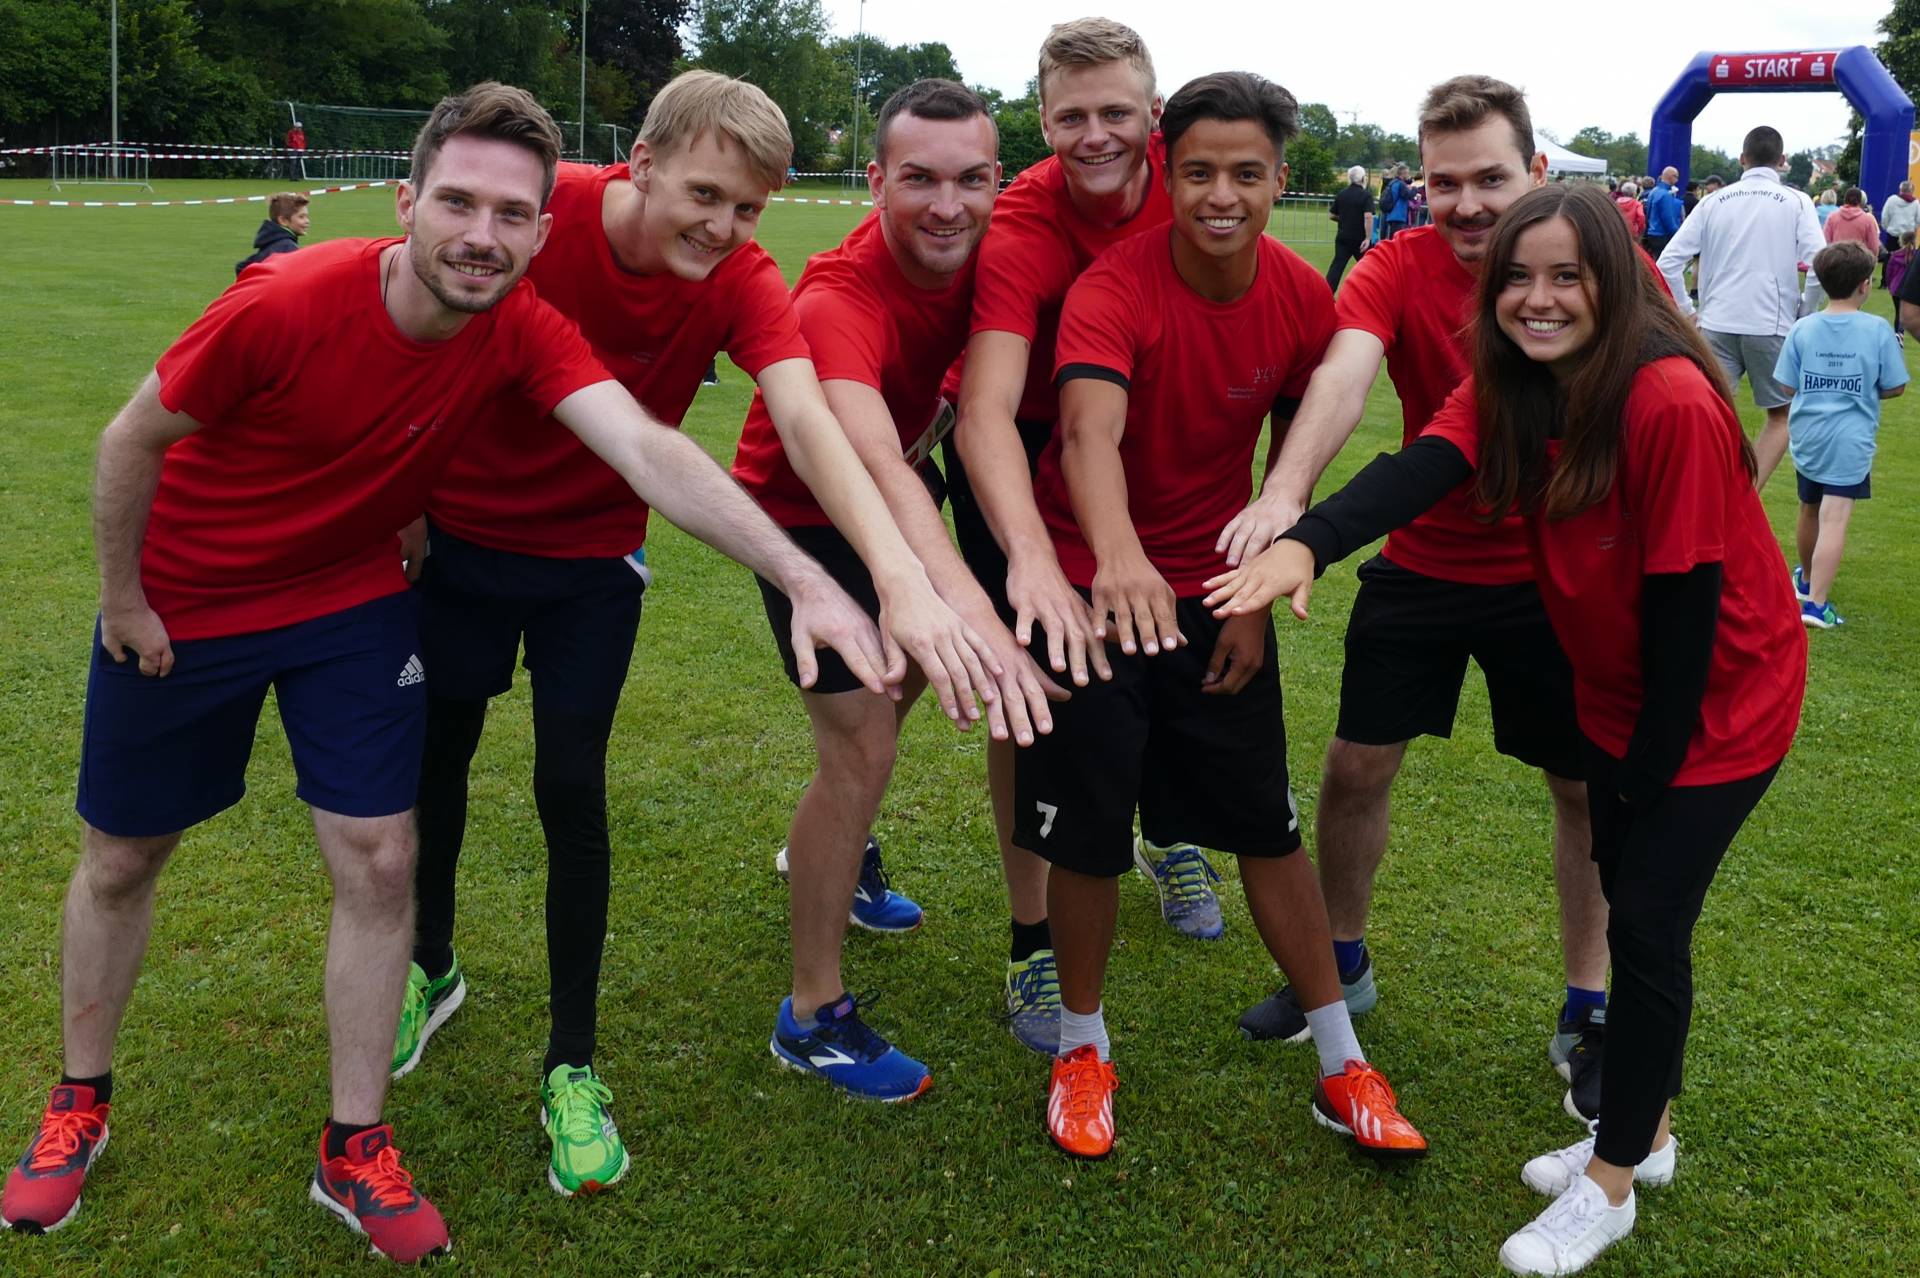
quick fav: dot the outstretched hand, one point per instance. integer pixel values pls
(1284, 569)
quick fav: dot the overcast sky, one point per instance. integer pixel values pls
(1377, 59)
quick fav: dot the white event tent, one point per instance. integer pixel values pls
(1561, 160)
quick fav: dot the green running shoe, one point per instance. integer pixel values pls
(424, 1009)
(587, 1153)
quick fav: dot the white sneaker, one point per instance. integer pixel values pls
(1568, 1235)
(1550, 1174)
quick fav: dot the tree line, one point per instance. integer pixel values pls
(222, 70)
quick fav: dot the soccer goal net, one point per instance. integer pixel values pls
(359, 144)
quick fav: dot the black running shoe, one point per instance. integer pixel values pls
(1280, 1016)
(1581, 1066)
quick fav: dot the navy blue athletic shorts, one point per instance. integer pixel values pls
(161, 754)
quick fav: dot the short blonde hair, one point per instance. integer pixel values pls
(285, 204)
(1089, 42)
(698, 102)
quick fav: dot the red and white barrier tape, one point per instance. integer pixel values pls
(161, 204)
(197, 151)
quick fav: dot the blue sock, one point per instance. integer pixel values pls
(1348, 954)
(1579, 1000)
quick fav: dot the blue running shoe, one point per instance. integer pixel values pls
(876, 906)
(1816, 616)
(1181, 875)
(843, 1050)
(1033, 1002)
(1800, 590)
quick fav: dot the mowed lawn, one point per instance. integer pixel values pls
(1797, 1126)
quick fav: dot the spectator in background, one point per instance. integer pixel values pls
(287, 221)
(1900, 214)
(1711, 183)
(1352, 214)
(1396, 202)
(296, 141)
(1899, 262)
(1627, 200)
(1853, 222)
(1665, 212)
(1690, 200)
(1750, 250)
(1824, 206)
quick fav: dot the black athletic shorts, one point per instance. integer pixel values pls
(836, 555)
(977, 544)
(1202, 769)
(1408, 642)
(577, 617)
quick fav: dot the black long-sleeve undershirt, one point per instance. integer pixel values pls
(1390, 491)
(1679, 616)
(1679, 612)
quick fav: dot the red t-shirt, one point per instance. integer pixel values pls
(1413, 294)
(1680, 498)
(322, 429)
(1036, 247)
(866, 323)
(1201, 377)
(523, 482)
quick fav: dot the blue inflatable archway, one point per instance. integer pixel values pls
(1854, 72)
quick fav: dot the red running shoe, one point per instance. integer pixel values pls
(1359, 1103)
(1080, 1103)
(43, 1189)
(374, 1194)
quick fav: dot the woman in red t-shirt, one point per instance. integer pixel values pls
(1597, 411)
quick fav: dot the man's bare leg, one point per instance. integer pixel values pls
(1284, 898)
(1025, 873)
(103, 941)
(369, 946)
(855, 736)
(1583, 907)
(1770, 446)
(1350, 828)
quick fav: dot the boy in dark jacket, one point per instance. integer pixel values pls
(287, 221)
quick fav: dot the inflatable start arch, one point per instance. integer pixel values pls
(1854, 72)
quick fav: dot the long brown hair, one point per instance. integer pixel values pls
(1520, 400)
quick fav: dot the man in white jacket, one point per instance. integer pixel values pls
(1900, 214)
(1750, 238)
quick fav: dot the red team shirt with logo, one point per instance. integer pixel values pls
(1201, 377)
(1680, 498)
(1037, 246)
(1413, 294)
(322, 430)
(522, 482)
(866, 323)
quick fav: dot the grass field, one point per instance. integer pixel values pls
(1798, 1124)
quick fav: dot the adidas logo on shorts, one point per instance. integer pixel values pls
(411, 673)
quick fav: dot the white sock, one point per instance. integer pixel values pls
(1077, 1030)
(1333, 1037)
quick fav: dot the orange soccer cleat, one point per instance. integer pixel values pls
(1358, 1102)
(1080, 1103)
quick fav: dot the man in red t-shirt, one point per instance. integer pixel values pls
(535, 540)
(1103, 184)
(1448, 587)
(1173, 349)
(886, 315)
(245, 507)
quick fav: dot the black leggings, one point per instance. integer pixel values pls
(1656, 863)
(570, 792)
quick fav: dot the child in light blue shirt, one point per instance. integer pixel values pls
(1837, 365)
